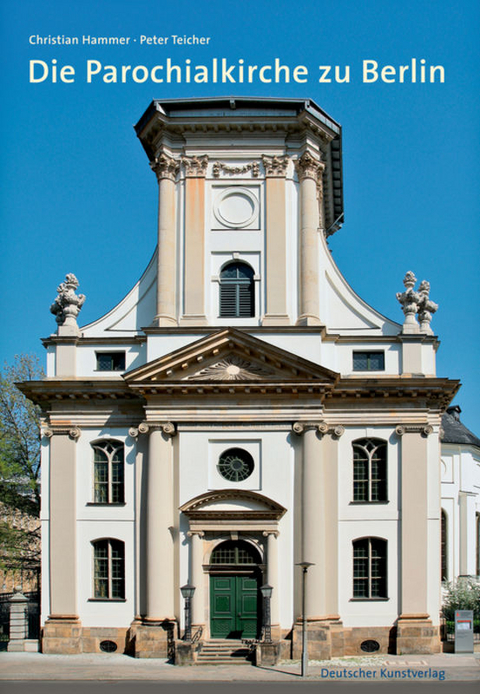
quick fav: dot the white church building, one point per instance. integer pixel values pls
(242, 411)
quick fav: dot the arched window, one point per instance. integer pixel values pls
(444, 546)
(237, 291)
(369, 568)
(108, 472)
(108, 569)
(369, 470)
(235, 552)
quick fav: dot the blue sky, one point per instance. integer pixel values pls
(78, 195)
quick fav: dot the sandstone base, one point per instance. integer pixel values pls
(185, 653)
(417, 636)
(267, 654)
(152, 640)
(23, 646)
(62, 636)
(325, 640)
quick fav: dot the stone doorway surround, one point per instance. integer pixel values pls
(231, 514)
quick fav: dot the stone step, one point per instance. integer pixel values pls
(223, 652)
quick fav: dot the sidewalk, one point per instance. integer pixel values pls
(36, 666)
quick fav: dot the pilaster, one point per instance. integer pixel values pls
(62, 631)
(276, 242)
(194, 263)
(272, 579)
(197, 578)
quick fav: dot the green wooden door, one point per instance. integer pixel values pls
(234, 607)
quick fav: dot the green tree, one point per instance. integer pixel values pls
(462, 594)
(19, 468)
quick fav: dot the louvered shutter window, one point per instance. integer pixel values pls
(237, 291)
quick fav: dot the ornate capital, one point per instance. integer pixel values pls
(165, 167)
(235, 170)
(321, 427)
(275, 166)
(191, 533)
(266, 533)
(423, 429)
(167, 428)
(195, 167)
(309, 167)
(67, 305)
(73, 433)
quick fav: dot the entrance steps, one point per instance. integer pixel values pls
(223, 652)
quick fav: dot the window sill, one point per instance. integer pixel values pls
(368, 371)
(107, 600)
(369, 599)
(105, 503)
(110, 371)
(368, 503)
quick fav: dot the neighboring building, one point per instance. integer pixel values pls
(460, 498)
(241, 411)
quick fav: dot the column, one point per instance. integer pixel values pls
(275, 241)
(160, 601)
(272, 575)
(312, 522)
(320, 540)
(309, 172)
(194, 265)
(415, 633)
(319, 521)
(166, 169)
(197, 577)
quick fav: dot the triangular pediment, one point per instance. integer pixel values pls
(230, 355)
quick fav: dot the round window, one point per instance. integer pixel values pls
(108, 646)
(370, 646)
(235, 465)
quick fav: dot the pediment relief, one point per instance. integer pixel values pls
(233, 368)
(230, 355)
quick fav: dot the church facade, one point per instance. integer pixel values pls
(242, 412)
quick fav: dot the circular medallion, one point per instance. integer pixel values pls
(236, 208)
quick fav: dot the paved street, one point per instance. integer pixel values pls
(120, 668)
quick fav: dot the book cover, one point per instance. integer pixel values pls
(79, 196)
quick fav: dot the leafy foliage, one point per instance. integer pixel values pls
(462, 594)
(19, 466)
